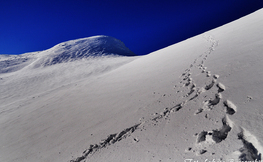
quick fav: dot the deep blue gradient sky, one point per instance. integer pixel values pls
(144, 26)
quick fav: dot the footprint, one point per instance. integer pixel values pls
(207, 87)
(201, 137)
(216, 76)
(230, 107)
(220, 87)
(202, 151)
(203, 69)
(178, 107)
(220, 135)
(209, 104)
(199, 91)
(111, 139)
(214, 102)
(186, 72)
(208, 74)
(204, 139)
(192, 89)
(251, 150)
(188, 81)
(200, 110)
(207, 138)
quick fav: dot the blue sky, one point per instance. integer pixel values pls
(144, 26)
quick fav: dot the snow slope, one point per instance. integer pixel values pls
(66, 52)
(199, 99)
(62, 64)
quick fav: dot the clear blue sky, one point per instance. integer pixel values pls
(143, 25)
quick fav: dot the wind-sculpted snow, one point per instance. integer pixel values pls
(85, 48)
(11, 63)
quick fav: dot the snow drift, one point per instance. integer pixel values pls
(197, 100)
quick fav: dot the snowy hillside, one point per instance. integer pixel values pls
(62, 64)
(66, 52)
(197, 100)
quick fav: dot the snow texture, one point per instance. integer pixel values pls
(197, 100)
(84, 48)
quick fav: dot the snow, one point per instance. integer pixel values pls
(199, 99)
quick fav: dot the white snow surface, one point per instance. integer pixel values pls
(200, 99)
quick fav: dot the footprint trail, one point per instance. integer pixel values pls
(192, 92)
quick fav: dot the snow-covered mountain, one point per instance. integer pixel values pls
(197, 100)
(62, 64)
(66, 52)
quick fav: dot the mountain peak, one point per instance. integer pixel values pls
(95, 46)
(85, 47)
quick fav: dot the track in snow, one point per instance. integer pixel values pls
(206, 138)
